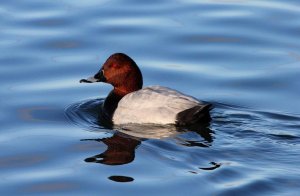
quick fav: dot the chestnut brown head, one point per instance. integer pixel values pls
(121, 72)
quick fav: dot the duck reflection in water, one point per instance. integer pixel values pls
(122, 145)
(120, 150)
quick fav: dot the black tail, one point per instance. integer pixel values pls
(196, 114)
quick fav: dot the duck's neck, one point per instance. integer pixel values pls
(121, 92)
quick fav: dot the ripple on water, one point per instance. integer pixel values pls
(85, 114)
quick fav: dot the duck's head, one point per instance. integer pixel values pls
(121, 72)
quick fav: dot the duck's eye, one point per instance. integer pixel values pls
(113, 65)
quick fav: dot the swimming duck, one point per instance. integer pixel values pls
(129, 103)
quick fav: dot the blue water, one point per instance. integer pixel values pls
(242, 56)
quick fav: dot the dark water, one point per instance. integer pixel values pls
(243, 56)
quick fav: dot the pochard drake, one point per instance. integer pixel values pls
(129, 103)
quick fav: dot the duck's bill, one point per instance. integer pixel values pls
(89, 80)
(99, 77)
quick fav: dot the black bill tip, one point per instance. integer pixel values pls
(85, 81)
(89, 80)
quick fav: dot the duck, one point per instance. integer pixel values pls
(130, 103)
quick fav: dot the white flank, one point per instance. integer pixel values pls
(153, 104)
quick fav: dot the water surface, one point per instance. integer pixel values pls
(242, 56)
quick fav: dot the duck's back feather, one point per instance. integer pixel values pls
(157, 105)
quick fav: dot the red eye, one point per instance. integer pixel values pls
(113, 65)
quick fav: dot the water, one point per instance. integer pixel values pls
(242, 56)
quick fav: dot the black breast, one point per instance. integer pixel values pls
(108, 108)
